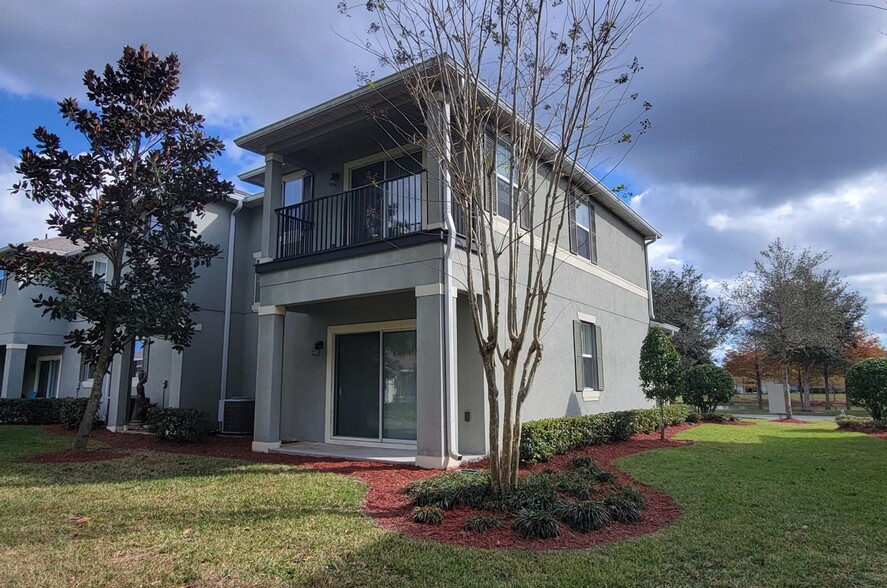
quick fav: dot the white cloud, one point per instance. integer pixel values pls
(20, 219)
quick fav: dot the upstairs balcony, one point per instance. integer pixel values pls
(377, 212)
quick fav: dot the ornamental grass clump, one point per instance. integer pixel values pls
(451, 490)
(622, 508)
(536, 524)
(428, 515)
(584, 515)
(481, 523)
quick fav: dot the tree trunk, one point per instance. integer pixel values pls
(95, 395)
(806, 376)
(828, 398)
(786, 392)
(759, 384)
(661, 419)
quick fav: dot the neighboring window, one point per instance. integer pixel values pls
(100, 270)
(583, 238)
(257, 290)
(589, 362)
(296, 189)
(3, 280)
(86, 371)
(504, 180)
(139, 357)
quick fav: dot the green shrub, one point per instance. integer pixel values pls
(706, 386)
(694, 417)
(586, 465)
(583, 516)
(604, 477)
(622, 508)
(176, 424)
(536, 524)
(633, 495)
(428, 515)
(43, 411)
(578, 484)
(481, 523)
(866, 383)
(452, 489)
(535, 492)
(863, 424)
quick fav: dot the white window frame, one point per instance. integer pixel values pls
(299, 175)
(509, 179)
(58, 380)
(103, 275)
(583, 202)
(593, 393)
(4, 281)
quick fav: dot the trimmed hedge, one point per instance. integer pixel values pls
(863, 424)
(866, 383)
(44, 411)
(177, 424)
(706, 386)
(541, 440)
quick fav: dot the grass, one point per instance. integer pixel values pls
(764, 505)
(748, 404)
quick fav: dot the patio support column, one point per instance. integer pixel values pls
(14, 371)
(273, 201)
(269, 378)
(430, 402)
(121, 388)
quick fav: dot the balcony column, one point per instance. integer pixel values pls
(273, 201)
(269, 378)
(14, 371)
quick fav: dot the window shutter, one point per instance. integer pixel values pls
(571, 212)
(524, 204)
(599, 357)
(307, 187)
(593, 237)
(489, 169)
(577, 355)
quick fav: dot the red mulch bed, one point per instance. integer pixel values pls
(792, 421)
(391, 509)
(71, 456)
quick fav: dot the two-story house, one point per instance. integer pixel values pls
(353, 327)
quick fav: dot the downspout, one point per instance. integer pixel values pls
(226, 330)
(449, 300)
(649, 281)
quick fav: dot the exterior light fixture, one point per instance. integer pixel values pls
(318, 347)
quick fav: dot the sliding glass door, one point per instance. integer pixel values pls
(375, 386)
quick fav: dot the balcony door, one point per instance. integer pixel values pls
(374, 386)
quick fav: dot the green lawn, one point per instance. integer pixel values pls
(765, 505)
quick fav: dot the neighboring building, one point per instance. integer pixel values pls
(36, 362)
(351, 335)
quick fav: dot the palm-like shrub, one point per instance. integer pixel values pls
(584, 516)
(536, 524)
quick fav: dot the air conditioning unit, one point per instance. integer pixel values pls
(236, 415)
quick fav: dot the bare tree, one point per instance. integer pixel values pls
(528, 90)
(792, 307)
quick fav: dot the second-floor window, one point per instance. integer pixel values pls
(100, 270)
(4, 277)
(505, 185)
(583, 237)
(86, 371)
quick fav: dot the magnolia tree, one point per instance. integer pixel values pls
(518, 93)
(131, 199)
(660, 371)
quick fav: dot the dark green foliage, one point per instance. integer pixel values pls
(694, 417)
(451, 490)
(633, 495)
(535, 492)
(866, 383)
(44, 411)
(543, 439)
(579, 484)
(583, 516)
(716, 417)
(586, 465)
(605, 477)
(622, 508)
(428, 515)
(536, 524)
(177, 424)
(481, 523)
(660, 367)
(706, 386)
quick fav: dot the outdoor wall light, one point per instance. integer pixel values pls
(334, 179)
(318, 347)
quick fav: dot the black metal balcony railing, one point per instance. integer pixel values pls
(383, 210)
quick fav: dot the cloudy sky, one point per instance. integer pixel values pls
(768, 116)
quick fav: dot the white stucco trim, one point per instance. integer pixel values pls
(586, 318)
(429, 290)
(16, 346)
(331, 332)
(271, 310)
(265, 446)
(591, 395)
(274, 157)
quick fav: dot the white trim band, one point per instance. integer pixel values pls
(272, 310)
